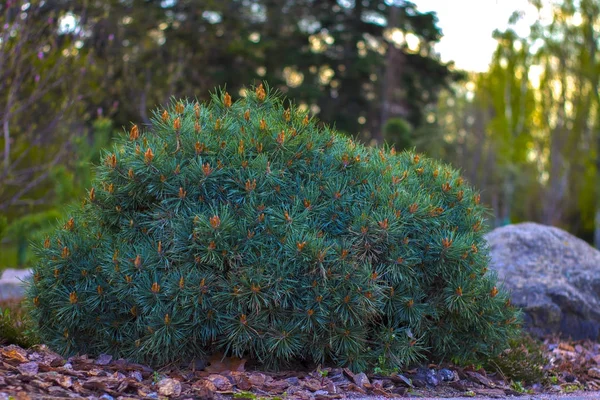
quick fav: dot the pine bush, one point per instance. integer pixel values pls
(249, 229)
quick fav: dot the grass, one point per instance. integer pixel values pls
(523, 363)
(15, 325)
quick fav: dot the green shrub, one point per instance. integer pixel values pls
(246, 229)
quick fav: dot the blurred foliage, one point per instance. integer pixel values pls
(527, 131)
(3, 225)
(71, 71)
(16, 326)
(398, 132)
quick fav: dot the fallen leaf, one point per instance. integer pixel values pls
(218, 364)
(14, 353)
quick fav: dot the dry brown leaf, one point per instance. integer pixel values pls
(218, 364)
(13, 353)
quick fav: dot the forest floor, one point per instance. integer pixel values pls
(572, 371)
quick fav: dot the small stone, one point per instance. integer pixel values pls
(30, 368)
(221, 383)
(293, 380)
(331, 388)
(432, 378)
(594, 372)
(106, 396)
(361, 379)
(152, 395)
(321, 393)
(103, 359)
(570, 378)
(68, 366)
(169, 387)
(446, 375)
(137, 375)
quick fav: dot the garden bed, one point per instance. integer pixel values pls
(39, 373)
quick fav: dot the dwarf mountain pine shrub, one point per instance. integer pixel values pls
(245, 228)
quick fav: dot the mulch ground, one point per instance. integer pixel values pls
(38, 373)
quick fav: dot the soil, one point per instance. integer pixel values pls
(572, 370)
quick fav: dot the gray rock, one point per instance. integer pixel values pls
(553, 276)
(11, 283)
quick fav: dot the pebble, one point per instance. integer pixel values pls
(446, 375)
(137, 375)
(169, 387)
(432, 378)
(361, 379)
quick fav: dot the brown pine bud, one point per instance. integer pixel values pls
(263, 125)
(70, 224)
(247, 115)
(413, 208)
(227, 100)
(260, 93)
(459, 291)
(197, 127)
(206, 169)
(134, 133)
(218, 124)
(47, 242)
(446, 242)
(241, 147)
(148, 156)
(92, 194)
(65, 252)
(384, 224)
(155, 288)
(165, 116)
(182, 193)
(177, 124)
(281, 138)
(287, 115)
(138, 262)
(179, 108)
(197, 110)
(215, 222)
(73, 298)
(305, 120)
(111, 161)
(494, 291)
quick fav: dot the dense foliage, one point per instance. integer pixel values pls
(247, 228)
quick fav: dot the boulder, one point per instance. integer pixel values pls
(11, 283)
(553, 276)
